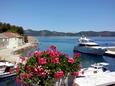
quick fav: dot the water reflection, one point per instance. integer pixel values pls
(111, 61)
(87, 60)
(9, 81)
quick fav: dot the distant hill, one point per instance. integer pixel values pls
(6, 27)
(54, 33)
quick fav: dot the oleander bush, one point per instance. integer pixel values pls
(45, 66)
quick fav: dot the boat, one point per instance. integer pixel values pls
(6, 74)
(95, 75)
(5, 68)
(96, 68)
(2, 67)
(89, 47)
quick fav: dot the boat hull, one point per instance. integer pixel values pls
(2, 69)
(89, 50)
(7, 74)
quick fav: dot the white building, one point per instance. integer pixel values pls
(3, 41)
(10, 40)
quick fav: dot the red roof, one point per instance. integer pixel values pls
(11, 35)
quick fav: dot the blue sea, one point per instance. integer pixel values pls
(66, 45)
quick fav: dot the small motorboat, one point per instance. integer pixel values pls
(96, 75)
(2, 67)
(89, 47)
(97, 68)
(5, 69)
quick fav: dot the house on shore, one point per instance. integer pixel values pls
(3, 41)
(11, 40)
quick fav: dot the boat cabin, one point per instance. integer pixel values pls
(87, 42)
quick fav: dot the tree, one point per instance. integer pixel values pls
(6, 27)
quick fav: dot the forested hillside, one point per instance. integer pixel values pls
(6, 27)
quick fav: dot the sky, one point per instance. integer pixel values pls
(60, 15)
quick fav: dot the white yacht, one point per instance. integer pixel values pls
(89, 47)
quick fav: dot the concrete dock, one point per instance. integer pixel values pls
(103, 79)
(110, 51)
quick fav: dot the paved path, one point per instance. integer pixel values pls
(6, 54)
(10, 54)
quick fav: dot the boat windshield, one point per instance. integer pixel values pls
(84, 40)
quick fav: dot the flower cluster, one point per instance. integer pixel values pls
(47, 65)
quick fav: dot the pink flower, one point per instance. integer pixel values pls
(23, 76)
(42, 61)
(22, 59)
(59, 53)
(59, 74)
(35, 70)
(17, 80)
(17, 70)
(37, 53)
(39, 68)
(28, 68)
(43, 74)
(53, 47)
(30, 75)
(24, 84)
(52, 53)
(75, 73)
(40, 71)
(71, 60)
(55, 60)
(77, 55)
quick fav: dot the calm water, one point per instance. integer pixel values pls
(66, 45)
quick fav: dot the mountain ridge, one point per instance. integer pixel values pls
(55, 33)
